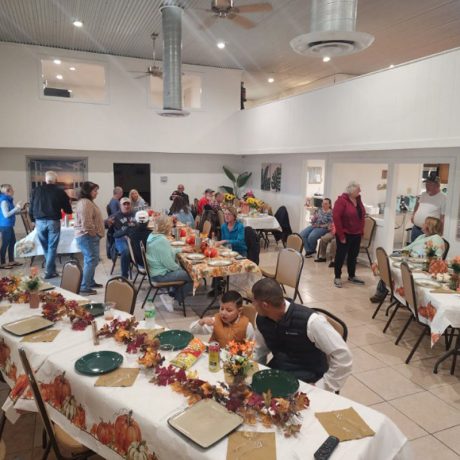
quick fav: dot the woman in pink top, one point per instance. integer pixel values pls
(348, 215)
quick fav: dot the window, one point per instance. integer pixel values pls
(191, 91)
(73, 80)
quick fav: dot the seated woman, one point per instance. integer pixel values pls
(232, 232)
(227, 325)
(431, 237)
(181, 211)
(161, 259)
(320, 225)
(137, 202)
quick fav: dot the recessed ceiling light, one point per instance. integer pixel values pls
(77, 23)
(270, 80)
(59, 76)
(72, 68)
(391, 66)
(221, 45)
(57, 61)
(326, 59)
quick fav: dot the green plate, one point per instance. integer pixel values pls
(178, 339)
(98, 362)
(281, 383)
(96, 309)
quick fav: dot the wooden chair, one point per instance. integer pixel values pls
(140, 271)
(295, 241)
(369, 231)
(250, 312)
(338, 324)
(155, 284)
(59, 440)
(122, 292)
(25, 217)
(71, 276)
(207, 227)
(288, 270)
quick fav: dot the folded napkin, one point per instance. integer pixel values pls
(344, 424)
(121, 377)
(41, 336)
(250, 445)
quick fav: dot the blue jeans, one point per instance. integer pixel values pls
(310, 237)
(125, 258)
(48, 232)
(415, 233)
(89, 247)
(177, 275)
(8, 240)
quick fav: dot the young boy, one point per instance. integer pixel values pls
(227, 325)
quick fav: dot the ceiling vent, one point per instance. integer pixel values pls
(332, 30)
(172, 62)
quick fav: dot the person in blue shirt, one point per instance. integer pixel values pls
(181, 211)
(232, 232)
(8, 213)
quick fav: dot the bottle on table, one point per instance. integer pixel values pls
(150, 313)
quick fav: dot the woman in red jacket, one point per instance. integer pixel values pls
(348, 216)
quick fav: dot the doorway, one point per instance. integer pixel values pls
(137, 176)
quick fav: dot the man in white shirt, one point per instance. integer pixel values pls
(302, 341)
(431, 203)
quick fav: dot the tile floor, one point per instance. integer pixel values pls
(425, 406)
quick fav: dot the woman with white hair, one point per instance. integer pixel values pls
(348, 216)
(8, 213)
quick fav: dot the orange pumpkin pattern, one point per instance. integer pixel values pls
(7, 366)
(427, 312)
(400, 291)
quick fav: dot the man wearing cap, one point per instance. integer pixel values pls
(114, 204)
(205, 200)
(139, 233)
(431, 203)
(123, 220)
(180, 192)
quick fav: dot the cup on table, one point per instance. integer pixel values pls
(109, 310)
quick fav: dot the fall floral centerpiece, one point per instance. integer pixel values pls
(237, 360)
(31, 284)
(10, 290)
(455, 278)
(430, 250)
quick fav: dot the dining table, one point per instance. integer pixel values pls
(131, 422)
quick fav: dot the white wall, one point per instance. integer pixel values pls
(125, 124)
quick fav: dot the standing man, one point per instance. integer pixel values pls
(123, 221)
(114, 204)
(431, 203)
(301, 341)
(180, 192)
(46, 203)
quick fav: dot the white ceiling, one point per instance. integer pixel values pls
(404, 30)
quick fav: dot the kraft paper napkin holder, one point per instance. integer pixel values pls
(41, 336)
(121, 377)
(251, 445)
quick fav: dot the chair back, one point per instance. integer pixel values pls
(250, 312)
(220, 216)
(39, 402)
(207, 227)
(383, 262)
(369, 231)
(446, 249)
(295, 241)
(289, 268)
(252, 243)
(71, 276)
(338, 324)
(409, 288)
(122, 292)
(131, 252)
(26, 218)
(144, 260)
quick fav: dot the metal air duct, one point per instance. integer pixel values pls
(172, 61)
(332, 30)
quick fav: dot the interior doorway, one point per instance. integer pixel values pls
(137, 176)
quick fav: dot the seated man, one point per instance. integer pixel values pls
(302, 342)
(123, 220)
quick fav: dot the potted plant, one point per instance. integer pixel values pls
(237, 364)
(238, 182)
(31, 284)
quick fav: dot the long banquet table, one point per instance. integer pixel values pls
(144, 408)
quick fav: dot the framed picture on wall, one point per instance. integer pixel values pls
(275, 173)
(71, 172)
(315, 175)
(265, 177)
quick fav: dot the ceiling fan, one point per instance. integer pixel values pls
(153, 70)
(225, 9)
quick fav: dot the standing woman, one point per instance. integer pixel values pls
(348, 215)
(8, 213)
(89, 229)
(232, 232)
(137, 202)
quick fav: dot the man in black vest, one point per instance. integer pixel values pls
(302, 341)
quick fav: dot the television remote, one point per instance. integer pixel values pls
(326, 448)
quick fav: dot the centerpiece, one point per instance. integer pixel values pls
(430, 253)
(31, 284)
(455, 278)
(237, 362)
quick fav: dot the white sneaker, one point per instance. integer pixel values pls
(167, 302)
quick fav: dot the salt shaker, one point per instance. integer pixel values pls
(94, 329)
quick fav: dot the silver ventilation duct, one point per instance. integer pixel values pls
(332, 30)
(172, 61)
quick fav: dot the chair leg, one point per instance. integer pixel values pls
(47, 451)
(379, 305)
(155, 294)
(414, 349)
(113, 264)
(392, 304)
(145, 300)
(390, 319)
(411, 318)
(140, 284)
(456, 352)
(300, 297)
(2, 423)
(135, 278)
(369, 257)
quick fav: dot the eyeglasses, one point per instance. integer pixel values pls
(126, 204)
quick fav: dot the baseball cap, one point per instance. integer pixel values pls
(432, 177)
(142, 217)
(209, 190)
(125, 200)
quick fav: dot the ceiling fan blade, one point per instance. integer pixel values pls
(253, 8)
(208, 22)
(241, 21)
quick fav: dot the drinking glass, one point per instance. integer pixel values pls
(109, 310)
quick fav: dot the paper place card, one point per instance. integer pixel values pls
(41, 336)
(121, 377)
(250, 445)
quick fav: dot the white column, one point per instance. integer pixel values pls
(387, 239)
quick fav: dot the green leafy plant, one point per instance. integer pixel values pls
(237, 181)
(276, 179)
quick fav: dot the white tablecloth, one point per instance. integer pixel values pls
(260, 222)
(67, 244)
